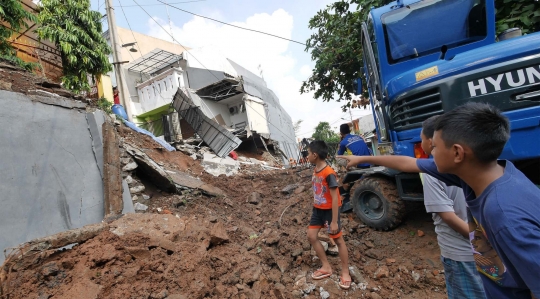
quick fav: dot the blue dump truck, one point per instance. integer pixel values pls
(423, 58)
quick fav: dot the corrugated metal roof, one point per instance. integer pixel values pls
(219, 139)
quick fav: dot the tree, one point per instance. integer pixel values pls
(296, 125)
(13, 18)
(76, 31)
(324, 132)
(524, 14)
(336, 47)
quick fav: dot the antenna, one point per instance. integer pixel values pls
(170, 23)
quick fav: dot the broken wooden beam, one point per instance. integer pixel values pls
(112, 176)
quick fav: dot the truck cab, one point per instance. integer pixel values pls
(423, 58)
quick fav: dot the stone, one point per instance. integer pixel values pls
(421, 233)
(435, 272)
(5, 85)
(179, 201)
(145, 197)
(324, 294)
(390, 261)
(136, 189)
(217, 166)
(369, 244)
(297, 252)
(299, 190)
(415, 276)
(254, 198)
(382, 272)
(333, 250)
(283, 265)
(130, 167)
(374, 295)
(356, 274)
(213, 219)
(374, 254)
(177, 296)
(273, 238)
(140, 207)
(218, 235)
(50, 269)
(139, 252)
(129, 180)
(125, 161)
(193, 156)
(135, 198)
(289, 189)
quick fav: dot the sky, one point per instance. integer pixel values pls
(284, 64)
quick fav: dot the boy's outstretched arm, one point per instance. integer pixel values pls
(401, 163)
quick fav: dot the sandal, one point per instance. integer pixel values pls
(320, 274)
(344, 284)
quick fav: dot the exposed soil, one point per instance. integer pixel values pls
(179, 255)
(242, 245)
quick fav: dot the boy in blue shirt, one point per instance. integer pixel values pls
(447, 203)
(504, 204)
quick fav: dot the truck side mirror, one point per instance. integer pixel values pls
(357, 86)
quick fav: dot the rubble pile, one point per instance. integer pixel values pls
(247, 242)
(205, 228)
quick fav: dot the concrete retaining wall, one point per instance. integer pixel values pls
(51, 158)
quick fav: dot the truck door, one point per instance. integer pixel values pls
(374, 84)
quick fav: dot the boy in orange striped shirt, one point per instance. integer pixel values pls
(326, 213)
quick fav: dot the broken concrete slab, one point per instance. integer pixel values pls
(130, 166)
(216, 166)
(155, 173)
(51, 181)
(126, 197)
(95, 120)
(289, 189)
(140, 207)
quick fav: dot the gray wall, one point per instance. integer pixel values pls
(50, 178)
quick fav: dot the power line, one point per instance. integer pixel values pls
(162, 4)
(202, 63)
(175, 39)
(248, 29)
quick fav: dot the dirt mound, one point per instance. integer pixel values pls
(249, 244)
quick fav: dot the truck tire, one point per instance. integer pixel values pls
(377, 203)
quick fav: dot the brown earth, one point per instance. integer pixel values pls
(224, 247)
(193, 246)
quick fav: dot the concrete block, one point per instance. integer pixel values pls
(218, 166)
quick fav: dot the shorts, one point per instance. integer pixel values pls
(321, 219)
(462, 280)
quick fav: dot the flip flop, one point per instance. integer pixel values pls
(322, 274)
(344, 284)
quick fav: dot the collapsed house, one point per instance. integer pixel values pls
(214, 97)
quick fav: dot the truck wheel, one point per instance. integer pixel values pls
(377, 203)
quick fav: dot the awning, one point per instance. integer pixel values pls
(154, 61)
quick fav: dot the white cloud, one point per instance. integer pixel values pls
(250, 49)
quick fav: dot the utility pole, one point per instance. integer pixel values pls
(125, 100)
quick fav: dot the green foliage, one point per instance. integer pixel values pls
(13, 15)
(11, 58)
(524, 14)
(105, 105)
(336, 47)
(324, 132)
(76, 31)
